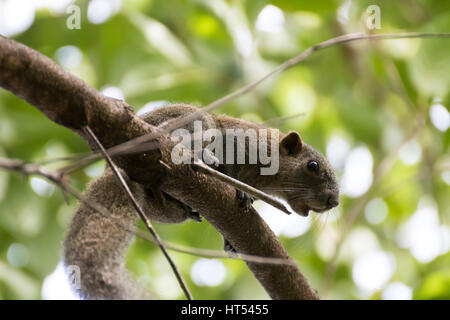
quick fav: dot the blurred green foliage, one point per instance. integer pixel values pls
(373, 95)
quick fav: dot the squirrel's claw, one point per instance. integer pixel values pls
(158, 195)
(193, 215)
(227, 247)
(245, 200)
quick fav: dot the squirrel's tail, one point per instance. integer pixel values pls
(97, 245)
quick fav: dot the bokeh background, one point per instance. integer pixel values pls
(377, 110)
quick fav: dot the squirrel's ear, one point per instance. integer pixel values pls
(291, 144)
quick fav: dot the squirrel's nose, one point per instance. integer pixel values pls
(333, 201)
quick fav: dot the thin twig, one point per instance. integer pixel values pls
(241, 186)
(141, 213)
(92, 157)
(129, 145)
(279, 120)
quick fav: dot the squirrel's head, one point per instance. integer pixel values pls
(308, 180)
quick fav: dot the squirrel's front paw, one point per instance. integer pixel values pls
(193, 215)
(245, 200)
(158, 195)
(227, 247)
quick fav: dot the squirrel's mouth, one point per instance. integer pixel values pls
(304, 210)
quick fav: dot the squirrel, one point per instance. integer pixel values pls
(97, 245)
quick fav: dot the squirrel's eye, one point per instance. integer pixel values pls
(313, 166)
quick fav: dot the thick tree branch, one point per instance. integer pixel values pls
(70, 102)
